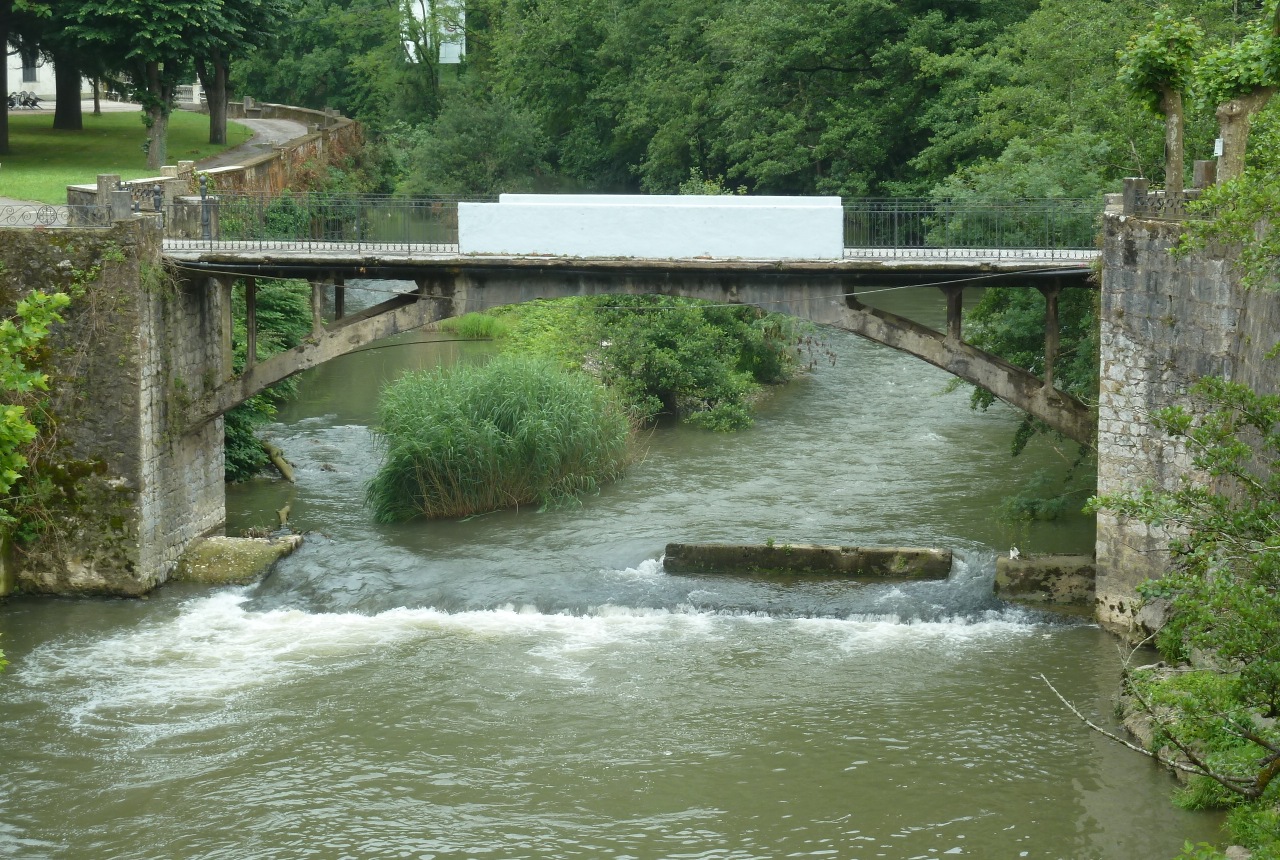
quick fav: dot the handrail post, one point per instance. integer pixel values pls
(206, 230)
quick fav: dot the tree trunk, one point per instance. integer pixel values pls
(5, 6)
(66, 106)
(213, 78)
(1234, 119)
(97, 96)
(1174, 177)
(157, 109)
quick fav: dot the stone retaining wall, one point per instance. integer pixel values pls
(293, 164)
(1165, 322)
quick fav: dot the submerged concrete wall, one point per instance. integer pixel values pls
(126, 487)
(1165, 322)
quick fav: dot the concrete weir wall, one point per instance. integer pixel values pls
(129, 486)
(1165, 322)
(654, 226)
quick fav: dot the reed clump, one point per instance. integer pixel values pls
(476, 438)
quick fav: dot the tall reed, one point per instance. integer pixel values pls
(515, 431)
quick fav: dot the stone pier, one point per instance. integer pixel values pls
(1166, 321)
(128, 486)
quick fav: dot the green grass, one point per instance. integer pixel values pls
(42, 162)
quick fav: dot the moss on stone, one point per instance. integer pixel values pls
(232, 561)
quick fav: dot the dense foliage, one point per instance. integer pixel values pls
(284, 319)
(1242, 211)
(21, 338)
(477, 438)
(1009, 322)
(849, 97)
(664, 356)
(1219, 709)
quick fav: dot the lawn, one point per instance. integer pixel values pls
(42, 162)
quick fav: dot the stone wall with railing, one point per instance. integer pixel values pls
(290, 165)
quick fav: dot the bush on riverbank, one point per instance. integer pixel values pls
(515, 431)
(1218, 710)
(702, 362)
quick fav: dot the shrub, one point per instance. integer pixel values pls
(515, 431)
(661, 355)
(475, 326)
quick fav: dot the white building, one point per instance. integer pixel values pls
(36, 78)
(441, 22)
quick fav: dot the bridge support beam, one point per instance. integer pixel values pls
(823, 298)
(251, 322)
(955, 311)
(1006, 381)
(1051, 332)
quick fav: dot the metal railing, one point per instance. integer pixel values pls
(46, 215)
(928, 228)
(308, 221)
(1140, 200)
(887, 227)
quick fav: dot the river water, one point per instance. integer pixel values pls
(532, 685)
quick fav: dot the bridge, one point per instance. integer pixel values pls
(329, 241)
(143, 361)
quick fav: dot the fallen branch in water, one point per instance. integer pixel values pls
(276, 456)
(1177, 765)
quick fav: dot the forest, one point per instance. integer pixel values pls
(987, 99)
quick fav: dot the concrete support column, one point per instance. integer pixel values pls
(339, 297)
(955, 311)
(225, 285)
(1051, 331)
(317, 308)
(251, 323)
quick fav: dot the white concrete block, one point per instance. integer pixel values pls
(655, 227)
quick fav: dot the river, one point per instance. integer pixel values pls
(532, 685)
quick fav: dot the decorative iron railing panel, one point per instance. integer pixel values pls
(47, 215)
(1163, 206)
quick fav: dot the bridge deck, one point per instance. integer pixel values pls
(265, 257)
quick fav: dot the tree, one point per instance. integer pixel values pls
(149, 39)
(1157, 65)
(475, 147)
(1239, 79)
(1243, 209)
(6, 11)
(344, 54)
(230, 29)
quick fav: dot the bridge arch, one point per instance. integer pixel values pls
(821, 293)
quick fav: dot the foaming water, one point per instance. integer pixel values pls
(534, 685)
(512, 732)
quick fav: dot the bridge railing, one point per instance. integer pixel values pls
(299, 221)
(872, 227)
(930, 228)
